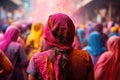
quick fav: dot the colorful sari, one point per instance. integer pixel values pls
(36, 35)
(10, 35)
(34, 39)
(60, 61)
(14, 52)
(108, 65)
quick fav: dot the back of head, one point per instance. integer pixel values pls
(37, 26)
(36, 35)
(59, 31)
(81, 33)
(94, 39)
(95, 43)
(113, 44)
(10, 35)
(36, 30)
(99, 27)
(114, 29)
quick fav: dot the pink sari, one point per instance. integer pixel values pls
(108, 65)
(10, 35)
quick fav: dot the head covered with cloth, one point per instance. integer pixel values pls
(58, 62)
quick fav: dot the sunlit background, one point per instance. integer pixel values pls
(81, 11)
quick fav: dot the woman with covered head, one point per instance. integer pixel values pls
(108, 65)
(10, 35)
(81, 35)
(14, 52)
(34, 39)
(113, 31)
(60, 61)
(95, 46)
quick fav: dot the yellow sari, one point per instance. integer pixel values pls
(35, 38)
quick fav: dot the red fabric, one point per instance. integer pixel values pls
(108, 66)
(59, 31)
(49, 70)
(79, 67)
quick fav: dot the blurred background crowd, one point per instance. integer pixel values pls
(96, 21)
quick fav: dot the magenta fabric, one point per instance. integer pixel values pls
(46, 68)
(58, 35)
(59, 31)
(108, 66)
(10, 35)
(60, 61)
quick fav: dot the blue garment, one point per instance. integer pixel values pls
(4, 27)
(95, 46)
(113, 34)
(81, 36)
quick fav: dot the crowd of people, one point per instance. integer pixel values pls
(58, 50)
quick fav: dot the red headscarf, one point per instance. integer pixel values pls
(59, 31)
(10, 35)
(108, 66)
(59, 34)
